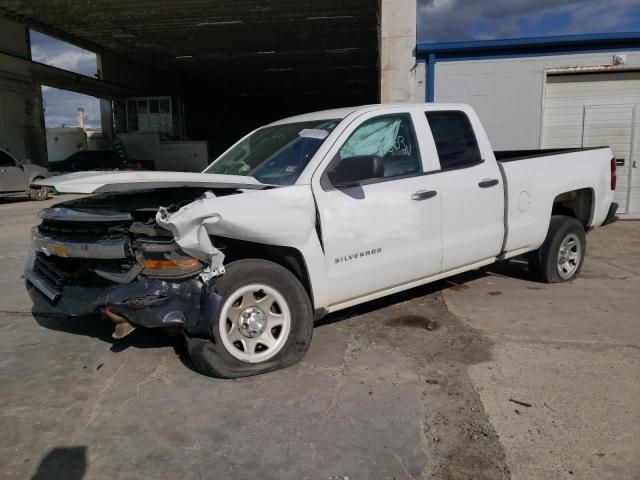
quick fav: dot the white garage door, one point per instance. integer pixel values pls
(590, 110)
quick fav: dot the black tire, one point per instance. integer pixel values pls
(39, 194)
(543, 263)
(212, 358)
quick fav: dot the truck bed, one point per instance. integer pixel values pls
(514, 155)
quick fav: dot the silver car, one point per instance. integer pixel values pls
(16, 178)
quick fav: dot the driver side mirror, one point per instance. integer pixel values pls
(19, 163)
(353, 170)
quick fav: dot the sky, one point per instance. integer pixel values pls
(61, 106)
(438, 21)
(457, 20)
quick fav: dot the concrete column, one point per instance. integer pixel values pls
(106, 119)
(397, 50)
(21, 115)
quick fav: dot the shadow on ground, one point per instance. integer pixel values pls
(403, 356)
(95, 326)
(516, 268)
(8, 200)
(63, 463)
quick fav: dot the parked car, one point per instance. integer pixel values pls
(311, 215)
(16, 178)
(95, 160)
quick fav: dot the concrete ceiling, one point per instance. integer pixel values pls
(260, 47)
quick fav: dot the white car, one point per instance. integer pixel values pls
(310, 215)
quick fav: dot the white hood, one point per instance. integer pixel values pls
(125, 181)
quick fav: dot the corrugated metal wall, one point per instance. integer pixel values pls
(508, 92)
(598, 109)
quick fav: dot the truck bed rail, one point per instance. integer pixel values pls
(513, 155)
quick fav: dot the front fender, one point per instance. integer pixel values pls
(283, 216)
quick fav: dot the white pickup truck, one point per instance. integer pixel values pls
(306, 216)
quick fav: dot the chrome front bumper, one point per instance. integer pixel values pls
(107, 249)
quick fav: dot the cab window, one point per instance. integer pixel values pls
(390, 137)
(455, 139)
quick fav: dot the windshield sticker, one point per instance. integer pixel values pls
(316, 133)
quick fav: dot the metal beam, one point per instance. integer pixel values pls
(58, 78)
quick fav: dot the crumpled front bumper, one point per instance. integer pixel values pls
(146, 302)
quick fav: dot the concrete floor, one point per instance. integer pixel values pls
(379, 396)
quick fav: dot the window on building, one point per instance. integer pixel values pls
(455, 139)
(63, 55)
(149, 114)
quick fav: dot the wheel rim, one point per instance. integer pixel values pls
(41, 192)
(255, 322)
(569, 256)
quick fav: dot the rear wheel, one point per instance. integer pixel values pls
(265, 322)
(561, 256)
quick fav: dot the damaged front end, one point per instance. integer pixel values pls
(108, 254)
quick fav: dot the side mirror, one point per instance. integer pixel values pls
(353, 170)
(19, 163)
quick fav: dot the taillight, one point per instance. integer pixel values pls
(614, 175)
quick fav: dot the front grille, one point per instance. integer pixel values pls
(54, 276)
(79, 231)
(62, 271)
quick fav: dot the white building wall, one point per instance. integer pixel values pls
(65, 141)
(508, 93)
(188, 156)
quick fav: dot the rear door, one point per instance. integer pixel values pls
(383, 233)
(472, 191)
(12, 177)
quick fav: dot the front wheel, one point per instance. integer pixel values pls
(39, 193)
(265, 322)
(561, 256)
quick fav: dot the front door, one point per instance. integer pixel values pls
(12, 178)
(385, 232)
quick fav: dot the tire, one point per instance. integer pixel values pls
(39, 194)
(566, 237)
(235, 348)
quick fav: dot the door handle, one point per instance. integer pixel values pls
(488, 182)
(424, 194)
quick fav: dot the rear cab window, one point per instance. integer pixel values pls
(455, 139)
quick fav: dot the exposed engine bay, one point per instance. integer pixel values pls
(108, 253)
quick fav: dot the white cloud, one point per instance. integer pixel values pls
(71, 60)
(61, 106)
(54, 52)
(445, 20)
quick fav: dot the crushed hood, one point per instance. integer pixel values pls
(126, 181)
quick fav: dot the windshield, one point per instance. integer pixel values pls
(276, 155)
